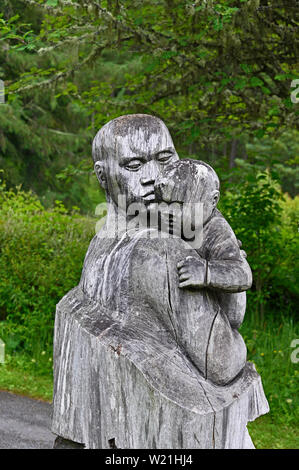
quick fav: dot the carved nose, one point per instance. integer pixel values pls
(151, 172)
(147, 180)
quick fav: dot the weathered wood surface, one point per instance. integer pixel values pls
(147, 352)
(138, 284)
(128, 385)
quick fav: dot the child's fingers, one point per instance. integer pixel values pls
(184, 276)
(183, 269)
(186, 262)
(185, 283)
(181, 264)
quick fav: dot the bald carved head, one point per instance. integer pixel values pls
(129, 153)
(137, 128)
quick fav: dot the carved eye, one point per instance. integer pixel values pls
(133, 165)
(164, 157)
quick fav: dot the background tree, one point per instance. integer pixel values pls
(218, 73)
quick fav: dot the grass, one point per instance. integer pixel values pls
(266, 434)
(269, 347)
(17, 376)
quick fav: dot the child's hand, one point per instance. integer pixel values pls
(192, 272)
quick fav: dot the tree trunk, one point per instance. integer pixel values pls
(233, 153)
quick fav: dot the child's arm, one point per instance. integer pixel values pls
(193, 272)
(227, 275)
(226, 267)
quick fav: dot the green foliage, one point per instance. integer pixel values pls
(269, 348)
(32, 377)
(279, 155)
(266, 221)
(43, 132)
(41, 256)
(218, 66)
(266, 434)
(214, 71)
(267, 224)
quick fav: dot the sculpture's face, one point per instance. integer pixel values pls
(138, 159)
(187, 182)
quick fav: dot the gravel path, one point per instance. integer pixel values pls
(24, 423)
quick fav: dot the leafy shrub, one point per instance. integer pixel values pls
(41, 256)
(266, 221)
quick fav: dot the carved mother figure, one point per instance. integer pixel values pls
(123, 273)
(147, 348)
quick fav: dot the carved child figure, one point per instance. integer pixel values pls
(220, 264)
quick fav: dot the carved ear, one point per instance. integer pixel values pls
(215, 197)
(101, 174)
